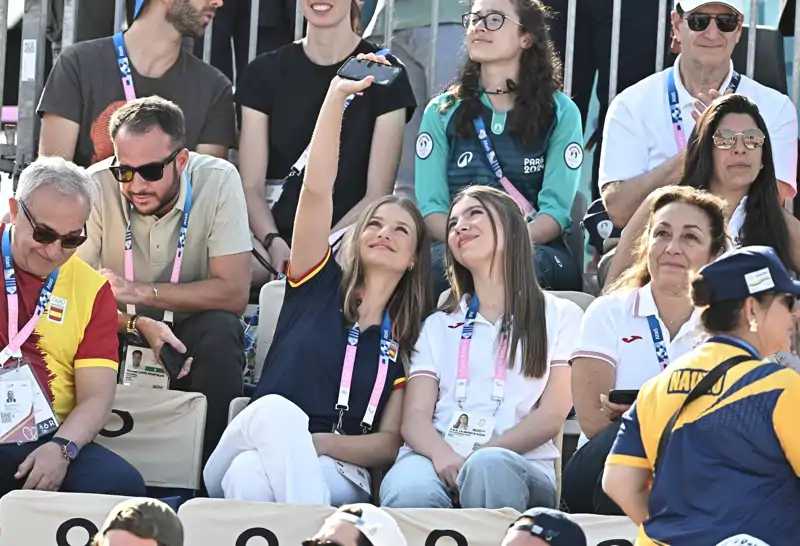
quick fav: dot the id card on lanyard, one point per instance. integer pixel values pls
(659, 344)
(675, 106)
(469, 430)
(25, 413)
(527, 208)
(275, 186)
(357, 475)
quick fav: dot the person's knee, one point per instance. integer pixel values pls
(273, 411)
(407, 488)
(486, 462)
(240, 480)
(120, 478)
(491, 478)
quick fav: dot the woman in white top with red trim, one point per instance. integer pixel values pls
(489, 384)
(645, 320)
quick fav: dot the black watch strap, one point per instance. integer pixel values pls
(269, 239)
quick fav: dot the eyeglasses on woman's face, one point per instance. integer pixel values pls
(725, 139)
(492, 21)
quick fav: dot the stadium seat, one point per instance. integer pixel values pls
(236, 407)
(160, 433)
(581, 299)
(39, 518)
(575, 241)
(270, 302)
(213, 521)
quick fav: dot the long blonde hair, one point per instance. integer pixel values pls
(411, 300)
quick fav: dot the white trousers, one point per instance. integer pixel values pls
(267, 455)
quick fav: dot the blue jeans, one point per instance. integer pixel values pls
(555, 267)
(96, 470)
(491, 478)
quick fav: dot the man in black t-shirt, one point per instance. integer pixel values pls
(85, 86)
(283, 91)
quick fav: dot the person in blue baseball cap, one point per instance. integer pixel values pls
(543, 527)
(720, 420)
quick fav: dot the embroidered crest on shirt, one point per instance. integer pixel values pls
(56, 310)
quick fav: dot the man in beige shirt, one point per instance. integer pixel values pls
(184, 279)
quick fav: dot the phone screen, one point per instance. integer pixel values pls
(354, 69)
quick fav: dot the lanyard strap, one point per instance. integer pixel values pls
(494, 163)
(675, 107)
(301, 163)
(124, 67)
(659, 344)
(17, 338)
(342, 404)
(500, 366)
(176, 266)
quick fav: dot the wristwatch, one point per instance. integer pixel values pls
(131, 333)
(69, 449)
(268, 239)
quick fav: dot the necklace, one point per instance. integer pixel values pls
(681, 319)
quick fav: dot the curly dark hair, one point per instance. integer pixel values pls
(539, 78)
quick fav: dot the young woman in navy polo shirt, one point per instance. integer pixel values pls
(328, 405)
(489, 384)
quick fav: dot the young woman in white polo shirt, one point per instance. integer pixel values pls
(489, 382)
(645, 320)
(730, 155)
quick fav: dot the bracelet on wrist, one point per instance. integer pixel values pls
(269, 238)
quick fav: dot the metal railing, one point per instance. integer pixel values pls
(32, 75)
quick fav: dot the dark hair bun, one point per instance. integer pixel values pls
(702, 292)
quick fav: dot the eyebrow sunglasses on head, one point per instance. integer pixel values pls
(726, 22)
(45, 235)
(725, 139)
(152, 172)
(492, 21)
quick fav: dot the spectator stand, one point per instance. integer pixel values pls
(67, 519)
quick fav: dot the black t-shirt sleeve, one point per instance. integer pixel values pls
(394, 97)
(62, 93)
(255, 89)
(220, 125)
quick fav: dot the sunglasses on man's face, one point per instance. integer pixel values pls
(319, 542)
(45, 235)
(726, 22)
(151, 172)
(725, 139)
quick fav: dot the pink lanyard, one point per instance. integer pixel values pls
(342, 404)
(17, 338)
(500, 366)
(176, 265)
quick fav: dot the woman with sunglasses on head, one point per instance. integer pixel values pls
(632, 332)
(504, 123)
(328, 404)
(280, 94)
(496, 351)
(730, 155)
(710, 448)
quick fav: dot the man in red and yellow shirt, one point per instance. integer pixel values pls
(72, 350)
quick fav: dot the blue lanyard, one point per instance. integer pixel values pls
(491, 156)
(675, 107)
(17, 338)
(659, 344)
(124, 65)
(740, 343)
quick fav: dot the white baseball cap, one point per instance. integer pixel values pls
(742, 540)
(379, 527)
(691, 5)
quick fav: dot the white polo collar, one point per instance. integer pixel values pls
(644, 305)
(461, 315)
(684, 97)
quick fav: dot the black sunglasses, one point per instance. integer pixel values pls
(152, 172)
(790, 301)
(318, 542)
(45, 235)
(726, 22)
(492, 21)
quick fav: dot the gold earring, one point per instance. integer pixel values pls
(753, 325)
